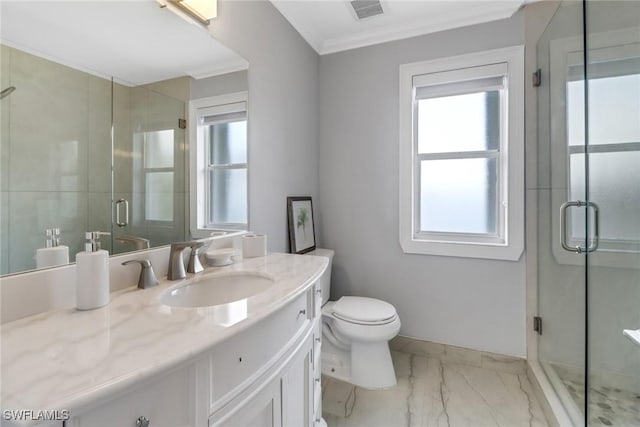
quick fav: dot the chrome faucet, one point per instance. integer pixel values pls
(138, 242)
(147, 277)
(176, 265)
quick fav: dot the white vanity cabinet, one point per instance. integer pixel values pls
(282, 392)
(265, 375)
(283, 398)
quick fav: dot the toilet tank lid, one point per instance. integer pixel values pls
(364, 309)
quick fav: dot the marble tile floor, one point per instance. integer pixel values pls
(608, 406)
(435, 392)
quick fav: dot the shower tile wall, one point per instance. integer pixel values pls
(55, 135)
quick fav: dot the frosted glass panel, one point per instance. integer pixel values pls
(228, 143)
(158, 149)
(458, 196)
(228, 193)
(613, 184)
(614, 108)
(159, 196)
(469, 122)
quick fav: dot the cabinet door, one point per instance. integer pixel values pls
(297, 389)
(260, 410)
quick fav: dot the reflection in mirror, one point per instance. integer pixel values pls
(92, 114)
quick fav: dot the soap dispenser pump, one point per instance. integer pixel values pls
(53, 253)
(92, 273)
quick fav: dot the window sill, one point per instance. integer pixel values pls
(462, 250)
(201, 233)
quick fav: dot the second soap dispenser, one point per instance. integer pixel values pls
(92, 273)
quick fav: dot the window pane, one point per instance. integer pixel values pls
(614, 108)
(469, 122)
(459, 196)
(613, 186)
(228, 143)
(158, 149)
(614, 103)
(228, 196)
(575, 112)
(159, 196)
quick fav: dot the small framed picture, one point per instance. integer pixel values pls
(301, 229)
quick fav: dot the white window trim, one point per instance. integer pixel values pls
(513, 245)
(562, 54)
(197, 163)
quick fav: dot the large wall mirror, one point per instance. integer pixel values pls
(95, 98)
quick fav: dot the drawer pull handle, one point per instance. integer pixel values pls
(319, 291)
(142, 422)
(317, 380)
(318, 339)
(302, 312)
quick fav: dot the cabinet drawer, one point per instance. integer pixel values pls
(167, 402)
(235, 363)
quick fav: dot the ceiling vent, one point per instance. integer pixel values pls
(367, 8)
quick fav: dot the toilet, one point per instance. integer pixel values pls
(355, 336)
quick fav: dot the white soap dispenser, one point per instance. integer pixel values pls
(92, 273)
(53, 253)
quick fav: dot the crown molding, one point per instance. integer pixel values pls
(222, 68)
(383, 35)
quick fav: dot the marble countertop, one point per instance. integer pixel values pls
(66, 359)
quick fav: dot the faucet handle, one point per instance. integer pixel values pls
(147, 277)
(194, 265)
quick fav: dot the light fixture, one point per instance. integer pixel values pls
(202, 10)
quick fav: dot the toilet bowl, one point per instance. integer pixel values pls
(356, 333)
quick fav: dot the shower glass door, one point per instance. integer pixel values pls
(613, 184)
(589, 210)
(149, 191)
(561, 222)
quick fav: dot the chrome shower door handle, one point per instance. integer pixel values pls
(563, 227)
(593, 245)
(119, 203)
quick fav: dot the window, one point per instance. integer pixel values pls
(220, 166)
(462, 155)
(158, 173)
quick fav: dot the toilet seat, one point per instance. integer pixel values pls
(363, 311)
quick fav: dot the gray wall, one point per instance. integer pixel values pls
(473, 303)
(220, 85)
(283, 111)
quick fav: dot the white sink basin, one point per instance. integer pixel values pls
(216, 290)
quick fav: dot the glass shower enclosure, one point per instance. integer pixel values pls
(589, 210)
(81, 152)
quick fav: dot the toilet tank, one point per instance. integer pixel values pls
(325, 279)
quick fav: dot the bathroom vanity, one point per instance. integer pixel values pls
(252, 361)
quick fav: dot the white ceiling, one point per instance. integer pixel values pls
(331, 25)
(136, 42)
